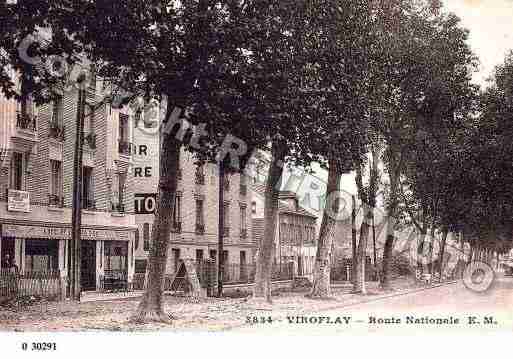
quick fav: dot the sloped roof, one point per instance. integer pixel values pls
(259, 190)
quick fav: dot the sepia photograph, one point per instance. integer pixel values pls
(225, 169)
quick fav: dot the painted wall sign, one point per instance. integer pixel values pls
(145, 203)
(35, 232)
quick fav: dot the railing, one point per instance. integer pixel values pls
(124, 147)
(26, 121)
(55, 200)
(200, 228)
(88, 203)
(118, 207)
(90, 139)
(138, 281)
(243, 233)
(57, 131)
(45, 284)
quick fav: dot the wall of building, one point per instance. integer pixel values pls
(39, 150)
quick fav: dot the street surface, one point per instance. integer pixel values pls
(450, 307)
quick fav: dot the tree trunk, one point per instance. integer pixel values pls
(389, 241)
(151, 307)
(354, 261)
(321, 276)
(266, 248)
(431, 248)
(442, 252)
(359, 286)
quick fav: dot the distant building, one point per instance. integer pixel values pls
(296, 232)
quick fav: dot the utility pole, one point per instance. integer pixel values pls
(353, 238)
(220, 245)
(76, 215)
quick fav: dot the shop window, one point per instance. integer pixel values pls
(41, 255)
(116, 254)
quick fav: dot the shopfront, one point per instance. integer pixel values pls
(40, 249)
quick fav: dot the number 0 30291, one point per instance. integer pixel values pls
(49, 346)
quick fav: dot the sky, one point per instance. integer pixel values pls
(490, 23)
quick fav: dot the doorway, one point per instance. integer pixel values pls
(7, 254)
(88, 265)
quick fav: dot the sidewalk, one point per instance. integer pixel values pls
(192, 314)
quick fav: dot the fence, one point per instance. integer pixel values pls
(206, 271)
(342, 271)
(46, 284)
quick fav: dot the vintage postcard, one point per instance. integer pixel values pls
(259, 167)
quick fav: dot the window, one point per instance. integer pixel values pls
(136, 238)
(200, 220)
(87, 188)
(41, 255)
(213, 254)
(199, 255)
(116, 255)
(176, 258)
(243, 186)
(123, 127)
(16, 171)
(200, 175)
(124, 145)
(243, 225)
(177, 215)
(118, 192)
(253, 207)
(55, 198)
(137, 117)
(226, 218)
(146, 236)
(57, 111)
(140, 265)
(121, 191)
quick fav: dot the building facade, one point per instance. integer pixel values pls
(295, 233)
(195, 232)
(36, 187)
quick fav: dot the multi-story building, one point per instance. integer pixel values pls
(295, 232)
(36, 187)
(195, 232)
